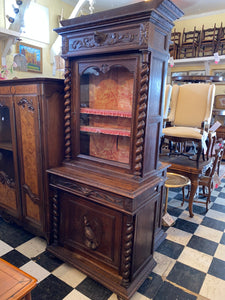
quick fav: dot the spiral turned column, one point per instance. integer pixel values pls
(67, 110)
(142, 111)
(127, 251)
(55, 218)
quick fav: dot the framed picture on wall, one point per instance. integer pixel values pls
(219, 73)
(197, 73)
(33, 56)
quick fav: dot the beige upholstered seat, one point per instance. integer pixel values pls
(190, 114)
(167, 98)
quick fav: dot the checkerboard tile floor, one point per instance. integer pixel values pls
(190, 261)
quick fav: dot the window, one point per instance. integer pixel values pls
(36, 20)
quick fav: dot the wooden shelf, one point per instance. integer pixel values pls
(6, 146)
(106, 112)
(91, 129)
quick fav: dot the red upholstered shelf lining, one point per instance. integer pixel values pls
(106, 112)
(91, 129)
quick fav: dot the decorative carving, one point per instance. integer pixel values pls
(65, 45)
(144, 32)
(67, 110)
(99, 37)
(104, 68)
(127, 251)
(4, 179)
(142, 109)
(32, 196)
(86, 191)
(103, 39)
(91, 240)
(23, 102)
(55, 217)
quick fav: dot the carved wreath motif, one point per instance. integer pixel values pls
(91, 236)
(23, 102)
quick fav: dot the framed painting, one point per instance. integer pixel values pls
(33, 56)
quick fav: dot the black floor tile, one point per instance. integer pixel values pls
(212, 223)
(222, 241)
(51, 288)
(187, 277)
(170, 292)
(15, 258)
(174, 211)
(151, 285)
(199, 209)
(47, 261)
(218, 207)
(221, 195)
(185, 225)
(203, 245)
(170, 249)
(13, 234)
(94, 290)
(217, 268)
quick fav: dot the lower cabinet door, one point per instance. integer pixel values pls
(90, 228)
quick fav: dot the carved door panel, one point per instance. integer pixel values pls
(29, 148)
(91, 229)
(9, 195)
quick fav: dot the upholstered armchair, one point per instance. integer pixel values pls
(190, 114)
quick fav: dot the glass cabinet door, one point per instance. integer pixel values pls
(106, 102)
(6, 150)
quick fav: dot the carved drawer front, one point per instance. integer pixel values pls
(90, 228)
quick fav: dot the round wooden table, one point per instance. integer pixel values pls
(174, 181)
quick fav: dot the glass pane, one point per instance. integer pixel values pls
(5, 129)
(105, 113)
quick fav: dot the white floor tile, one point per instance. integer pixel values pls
(177, 204)
(197, 219)
(216, 215)
(209, 233)
(69, 275)
(35, 270)
(164, 264)
(178, 236)
(213, 288)
(75, 295)
(4, 248)
(220, 201)
(220, 252)
(195, 259)
(138, 296)
(33, 247)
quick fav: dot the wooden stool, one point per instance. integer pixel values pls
(14, 283)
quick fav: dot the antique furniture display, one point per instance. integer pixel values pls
(106, 197)
(188, 168)
(206, 180)
(190, 115)
(14, 283)
(175, 45)
(189, 43)
(31, 140)
(208, 41)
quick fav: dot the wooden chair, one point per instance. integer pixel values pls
(206, 181)
(190, 42)
(190, 115)
(208, 41)
(221, 40)
(175, 44)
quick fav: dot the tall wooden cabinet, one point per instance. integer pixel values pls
(31, 140)
(106, 197)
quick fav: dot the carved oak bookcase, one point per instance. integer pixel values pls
(106, 197)
(31, 140)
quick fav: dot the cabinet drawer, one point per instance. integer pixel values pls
(89, 228)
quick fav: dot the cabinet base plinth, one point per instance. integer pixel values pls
(104, 275)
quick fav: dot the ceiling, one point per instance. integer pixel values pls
(189, 7)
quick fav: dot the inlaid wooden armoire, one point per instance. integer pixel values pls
(106, 198)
